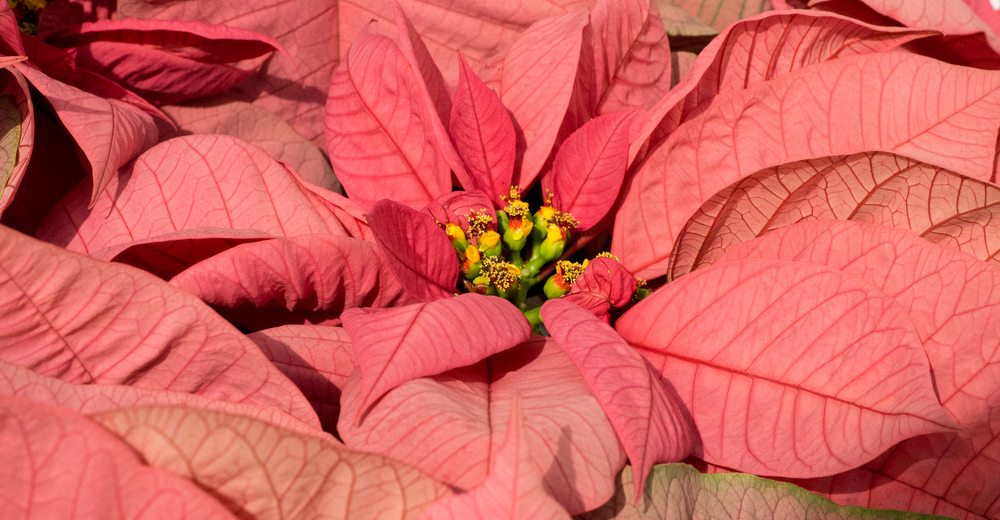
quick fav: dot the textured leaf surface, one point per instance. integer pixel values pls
(17, 133)
(308, 278)
(393, 346)
(535, 81)
(763, 126)
(589, 168)
(317, 359)
(268, 472)
(722, 13)
(457, 206)
(953, 298)
(86, 321)
(57, 464)
(204, 181)
(416, 249)
(512, 489)
(788, 348)
(650, 423)
(379, 130)
(679, 491)
(880, 188)
(452, 425)
(940, 15)
(483, 134)
(608, 279)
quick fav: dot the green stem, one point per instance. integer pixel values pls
(534, 316)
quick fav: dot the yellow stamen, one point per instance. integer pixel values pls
(479, 222)
(503, 275)
(607, 255)
(569, 271)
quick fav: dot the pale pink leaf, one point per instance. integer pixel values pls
(763, 126)
(649, 422)
(788, 369)
(259, 127)
(483, 134)
(416, 249)
(511, 490)
(307, 278)
(589, 168)
(393, 346)
(678, 22)
(262, 471)
(86, 321)
(203, 181)
(57, 464)
(953, 298)
(949, 17)
(316, 358)
(17, 133)
(452, 425)
(379, 129)
(723, 13)
(535, 81)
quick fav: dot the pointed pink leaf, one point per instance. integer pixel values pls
(308, 278)
(953, 299)
(881, 188)
(589, 168)
(393, 346)
(57, 464)
(10, 36)
(92, 398)
(416, 249)
(316, 358)
(483, 135)
(760, 127)
(109, 132)
(378, 127)
(205, 181)
(456, 208)
(87, 321)
(259, 127)
(764, 351)
(452, 425)
(262, 471)
(649, 422)
(17, 133)
(167, 61)
(511, 490)
(293, 86)
(535, 82)
(606, 278)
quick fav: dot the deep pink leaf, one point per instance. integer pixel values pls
(649, 422)
(393, 346)
(87, 321)
(589, 168)
(764, 351)
(57, 464)
(416, 249)
(606, 278)
(535, 81)
(457, 206)
(205, 181)
(483, 134)
(261, 471)
(511, 490)
(953, 299)
(379, 127)
(317, 359)
(17, 133)
(293, 86)
(452, 425)
(308, 278)
(10, 36)
(763, 126)
(259, 127)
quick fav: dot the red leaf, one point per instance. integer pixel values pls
(483, 135)
(649, 422)
(57, 464)
(393, 346)
(607, 279)
(457, 206)
(764, 351)
(511, 490)
(90, 322)
(308, 278)
(416, 249)
(589, 168)
(378, 127)
(451, 425)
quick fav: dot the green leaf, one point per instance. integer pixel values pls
(679, 491)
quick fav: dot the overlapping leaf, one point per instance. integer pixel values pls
(17, 133)
(451, 425)
(722, 13)
(604, 284)
(788, 369)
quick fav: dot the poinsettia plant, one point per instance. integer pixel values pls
(199, 328)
